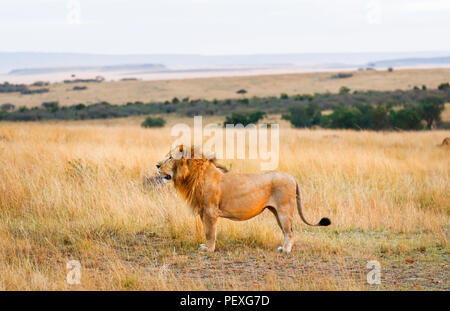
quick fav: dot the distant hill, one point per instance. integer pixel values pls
(408, 62)
(12, 61)
(115, 68)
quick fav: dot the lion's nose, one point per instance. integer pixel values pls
(158, 166)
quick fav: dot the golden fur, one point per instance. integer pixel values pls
(211, 192)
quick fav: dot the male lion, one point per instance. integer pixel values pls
(213, 193)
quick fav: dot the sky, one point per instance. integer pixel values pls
(221, 27)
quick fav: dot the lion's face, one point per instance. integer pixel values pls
(169, 166)
(166, 167)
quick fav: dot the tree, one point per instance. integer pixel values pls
(430, 109)
(244, 119)
(304, 116)
(346, 117)
(443, 86)
(406, 119)
(153, 122)
(51, 106)
(379, 118)
(254, 117)
(344, 90)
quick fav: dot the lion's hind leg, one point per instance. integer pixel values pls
(284, 219)
(286, 224)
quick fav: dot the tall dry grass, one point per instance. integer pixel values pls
(75, 192)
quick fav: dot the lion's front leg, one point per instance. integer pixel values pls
(209, 223)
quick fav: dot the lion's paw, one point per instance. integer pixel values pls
(203, 248)
(283, 250)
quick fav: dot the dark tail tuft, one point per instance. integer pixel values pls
(324, 222)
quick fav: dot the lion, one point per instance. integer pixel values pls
(212, 193)
(445, 142)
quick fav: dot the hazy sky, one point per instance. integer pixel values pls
(224, 26)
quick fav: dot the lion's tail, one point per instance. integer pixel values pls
(323, 222)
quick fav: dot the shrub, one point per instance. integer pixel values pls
(284, 96)
(51, 106)
(430, 109)
(241, 91)
(37, 91)
(6, 87)
(244, 101)
(300, 97)
(236, 118)
(346, 118)
(79, 88)
(304, 116)
(342, 75)
(254, 117)
(7, 107)
(406, 119)
(153, 122)
(443, 86)
(80, 107)
(244, 119)
(379, 118)
(344, 90)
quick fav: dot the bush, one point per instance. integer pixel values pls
(51, 106)
(37, 91)
(300, 97)
(379, 118)
(430, 109)
(244, 119)
(346, 118)
(406, 119)
(241, 91)
(153, 122)
(79, 88)
(342, 75)
(244, 101)
(344, 90)
(443, 86)
(40, 83)
(6, 87)
(7, 107)
(304, 116)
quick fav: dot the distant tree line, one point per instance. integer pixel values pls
(412, 116)
(403, 109)
(21, 88)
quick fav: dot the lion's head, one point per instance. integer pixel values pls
(180, 160)
(188, 169)
(174, 164)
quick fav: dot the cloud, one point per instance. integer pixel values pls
(426, 6)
